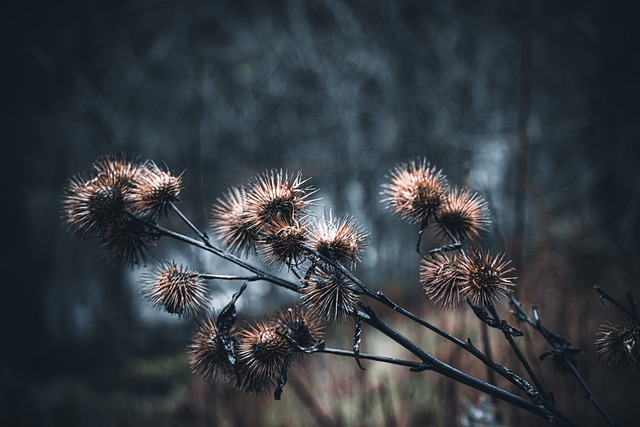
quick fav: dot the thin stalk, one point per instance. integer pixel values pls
(205, 245)
(186, 220)
(376, 358)
(542, 408)
(466, 345)
(227, 277)
(610, 421)
(523, 360)
(553, 340)
(604, 295)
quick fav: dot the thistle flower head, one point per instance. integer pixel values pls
(562, 358)
(441, 278)
(330, 295)
(463, 213)
(261, 353)
(340, 240)
(281, 244)
(154, 191)
(93, 206)
(299, 325)
(230, 219)
(618, 342)
(176, 288)
(277, 195)
(129, 243)
(484, 279)
(207, 354)
(415, 191)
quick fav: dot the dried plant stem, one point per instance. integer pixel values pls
(610, 421)
(538, 407)
(632, 312)
(553, 339)
(516, 349)
(205, 245)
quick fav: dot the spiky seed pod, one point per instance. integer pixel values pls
(561, 359)
(463, 213)
(330, 295)
(177, 289)
(415, 190)
(154, 191)
(207, 355)
(618, 342)
(230, 220)
(281, 243)
(304, 327)
(340, 240)
(277, 195)
(95, 205)
(129, 243)
(261, 353)
(440, 278)
(484, 278)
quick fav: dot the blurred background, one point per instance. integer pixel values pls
(534, 104)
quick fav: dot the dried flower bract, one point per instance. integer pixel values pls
(618, 342)
(484, 278)
(207, 355)
(463, 214)
(340, 240)
(154, 191)
(176, 288)
(440, 277)
(416, 190)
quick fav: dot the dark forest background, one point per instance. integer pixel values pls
(536, 104)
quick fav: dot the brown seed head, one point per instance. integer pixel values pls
(261, 353)
(280, 243)
(618, 342)
(230, 220)
(95, 205)
(154, 191)
(441, 278)
(277, 195)
(128, 243)
(340, 240)
(330, 295)
(415, 191)
(207, 354)
(302, 326)
(484, 278)
(176, 288)
(463, 213)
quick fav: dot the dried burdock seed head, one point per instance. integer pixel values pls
(281, 243)
(128, 243)
(463, 214)
(207, 355)
(303, 327)
(277, 195)
(441, 278)
(563, 358)
(415, 190)
(618, 342)
(176, 288)
(154, 191)
(93, 206)
(261, 353)
(230, 220)
(339, 240)
(330, 295)
(483, 277)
